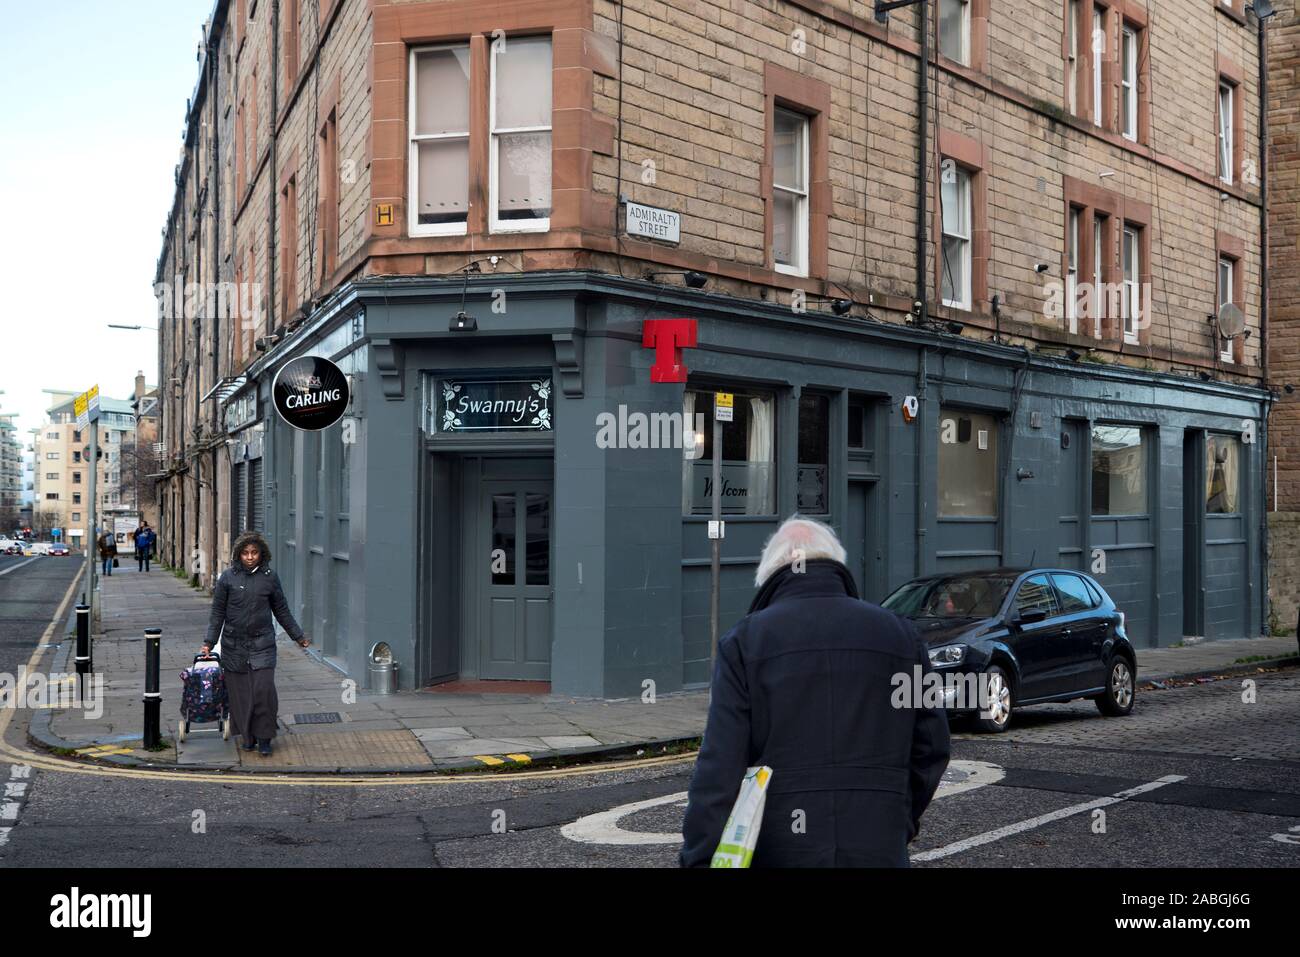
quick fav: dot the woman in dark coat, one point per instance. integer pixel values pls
(803, 684)
(247, 595)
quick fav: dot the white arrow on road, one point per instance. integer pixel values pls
(603, 828)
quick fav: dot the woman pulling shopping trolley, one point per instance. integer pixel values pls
(247, 595)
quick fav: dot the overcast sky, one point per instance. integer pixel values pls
(92, 106)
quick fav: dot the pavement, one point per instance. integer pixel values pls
(327, 725)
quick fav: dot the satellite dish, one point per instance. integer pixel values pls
(1232, 321)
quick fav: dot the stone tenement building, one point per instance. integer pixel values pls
(989, 324)
(1283, 501)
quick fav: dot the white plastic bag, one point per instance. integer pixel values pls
(740, 836)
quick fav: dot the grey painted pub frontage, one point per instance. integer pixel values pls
(499, 503)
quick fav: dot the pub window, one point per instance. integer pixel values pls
(439, 160)
(748, 454)
(813, 487)
(520, 124)
(1222, 474)
(1119, 470)
(968, 465)
(857, 423)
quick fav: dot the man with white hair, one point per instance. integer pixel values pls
(803, 684)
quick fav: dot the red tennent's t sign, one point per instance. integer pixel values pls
(668, 337)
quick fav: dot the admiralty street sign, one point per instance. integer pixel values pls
(310, 393)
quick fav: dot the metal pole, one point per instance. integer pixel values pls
(716, 543)
(90, 538)
(83, 647)
(922, 159)
(152, 696)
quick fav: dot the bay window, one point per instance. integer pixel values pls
(520, 128)
(439, 150)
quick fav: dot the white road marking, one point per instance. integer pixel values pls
(18, 566)
(9, 811)
(15, 790)
(603, 828)
(4, 835)
(18, 771)
(989, 837)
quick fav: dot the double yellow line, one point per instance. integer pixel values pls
(47, 762)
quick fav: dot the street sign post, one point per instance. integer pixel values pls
(723, 411)
(86, 408)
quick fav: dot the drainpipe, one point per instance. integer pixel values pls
(215, 180)
(922, 420)
(272, 246)
(922, 158)
(1263, 313)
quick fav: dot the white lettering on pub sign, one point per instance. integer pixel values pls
(494, 405)
(648, 222)
(310, 393)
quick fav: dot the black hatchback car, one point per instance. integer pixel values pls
(1028, 637)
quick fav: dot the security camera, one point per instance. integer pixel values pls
(1041, 267)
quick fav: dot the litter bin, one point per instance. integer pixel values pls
(383, 669)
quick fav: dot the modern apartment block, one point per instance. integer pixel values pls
(11, 471)
(976, 314)
(62, 475)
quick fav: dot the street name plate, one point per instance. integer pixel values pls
(648, 222)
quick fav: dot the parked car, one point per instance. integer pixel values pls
(59, 549)
(1033, 635)
(9, 547)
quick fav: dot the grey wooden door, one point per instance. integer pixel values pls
(513, 565)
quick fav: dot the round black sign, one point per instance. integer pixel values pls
(310, 393)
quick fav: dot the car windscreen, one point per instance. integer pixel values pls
(958, 596)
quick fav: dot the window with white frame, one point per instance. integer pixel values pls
(1129, 84)
(1072, 56)
(790, 192)
(1225, 297)
(955, 198)
(954, 30)
(1072, 270)
(439, 160)
(1226, 97)
(1098, 262)
(1098, 54)
(520, 125)
(1131, 304)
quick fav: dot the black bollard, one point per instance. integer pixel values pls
(152, 696)
(83, 649)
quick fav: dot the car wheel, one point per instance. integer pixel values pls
(998, 716)
(1121, 688)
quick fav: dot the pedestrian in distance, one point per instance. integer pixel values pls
(144, 539)
(803, 685)
(107, 551)
(247, 597)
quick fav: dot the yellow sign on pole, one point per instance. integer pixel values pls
(724, 404)
(84, 404)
